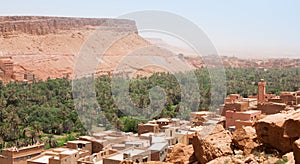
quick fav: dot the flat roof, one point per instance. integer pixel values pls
(118, 145)
(23, 148)
(149, 124)
(157, 139)
(252, 111)
(79, 141)
(163, 120)
(137, 142)
(112, 138)
(185, 132)
(158, 146)
(201, 112)
(42, 159)
(100, 141)
(132, 152)
(197, 128)
(87, 137)
(70, 151)
(147, 134)
(59, 149)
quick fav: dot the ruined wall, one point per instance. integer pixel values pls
(238, 106)
(271, 108)
(144, 128)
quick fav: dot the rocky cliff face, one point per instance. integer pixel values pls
(42, 25)
(48, 46)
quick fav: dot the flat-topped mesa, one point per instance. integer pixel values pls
(42, 25)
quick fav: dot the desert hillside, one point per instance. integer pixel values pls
(38, 47)
(43, 47)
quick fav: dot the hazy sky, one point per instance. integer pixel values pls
(265, 28)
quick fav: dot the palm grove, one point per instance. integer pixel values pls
(29, 112)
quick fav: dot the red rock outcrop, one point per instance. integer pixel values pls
(181, 154)
(245, 139)
(270, 132)
(214, 145)
(292, 125)
(281, 131)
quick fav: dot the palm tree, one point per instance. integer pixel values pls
(51, 141)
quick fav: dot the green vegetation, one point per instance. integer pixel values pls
(30, 112)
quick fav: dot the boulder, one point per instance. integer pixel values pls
(245, 139)
(216, 144)
(181, 153)
(292, 125)
(296, 151)
(270, 131)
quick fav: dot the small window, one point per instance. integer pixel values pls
(145, 159)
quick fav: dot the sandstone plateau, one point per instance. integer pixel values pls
(50, 46)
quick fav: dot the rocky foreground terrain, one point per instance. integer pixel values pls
(273, 139)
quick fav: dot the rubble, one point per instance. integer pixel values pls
(212, 146)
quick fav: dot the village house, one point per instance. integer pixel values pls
(234, 101)
(97, 158)
(6, 66)
(158, 151)
(59, 156)
(240, 119)
(131, 154)
(148, 127)
(20, 155)
(97, 145)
